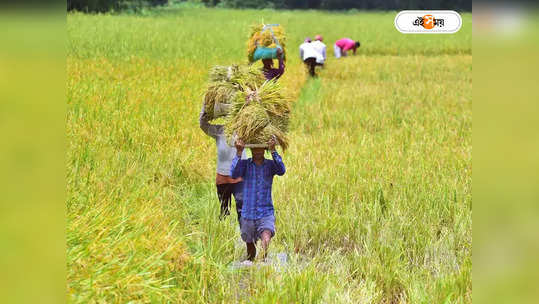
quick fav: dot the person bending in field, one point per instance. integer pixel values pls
(343, 45)
(226, 185)
(320, 47)
(257, 214)
(309, 56)
(269, 71)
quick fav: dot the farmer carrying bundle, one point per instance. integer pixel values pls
(264, 40)
(256, 113)
(256, 116)
(267, 42)
(224, 83)
(254, 109)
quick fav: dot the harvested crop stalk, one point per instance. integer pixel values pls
(257, 115)
(224, 82)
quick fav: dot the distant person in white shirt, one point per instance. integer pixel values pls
(320, 47)
(309, 55)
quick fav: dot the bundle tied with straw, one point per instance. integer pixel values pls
(256, 115)
(224, 82)
(266, 38)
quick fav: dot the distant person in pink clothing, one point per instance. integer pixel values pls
(343, 45)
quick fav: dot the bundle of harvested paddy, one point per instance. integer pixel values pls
(224, 83)
(222, 72)
(267, 37)
(257, 115)
(249, 121)
(248, 76)
(218, 94)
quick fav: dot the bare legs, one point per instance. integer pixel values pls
(251, 251)
(251, 248)
(266, 238)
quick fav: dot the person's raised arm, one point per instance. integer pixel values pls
(281, 62)
(237, 168)
(209, 129)
(277, 166)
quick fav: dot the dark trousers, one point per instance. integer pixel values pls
(311, 64)
(224, 193)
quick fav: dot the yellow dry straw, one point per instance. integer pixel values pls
(249, 121)
(257, 115)
(264, 135)
(221, 92)
(225, 81)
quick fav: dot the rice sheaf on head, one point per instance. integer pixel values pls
(265, 39)
(224, 82)
(256, 110)
(257, 115)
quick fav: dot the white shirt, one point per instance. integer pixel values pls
(306, 50)
(225, 150)
(320, 47)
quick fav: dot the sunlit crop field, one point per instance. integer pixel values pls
(375, 206)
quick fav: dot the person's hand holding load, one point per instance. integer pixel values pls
(271, 143)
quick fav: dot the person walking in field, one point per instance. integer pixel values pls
(320, 47)
(309, 56)
(226, 185)
(343, 45)
(258, 218)
(269, 71)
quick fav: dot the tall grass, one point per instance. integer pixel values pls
(376, 203)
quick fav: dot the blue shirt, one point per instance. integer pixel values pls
(257, 182)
